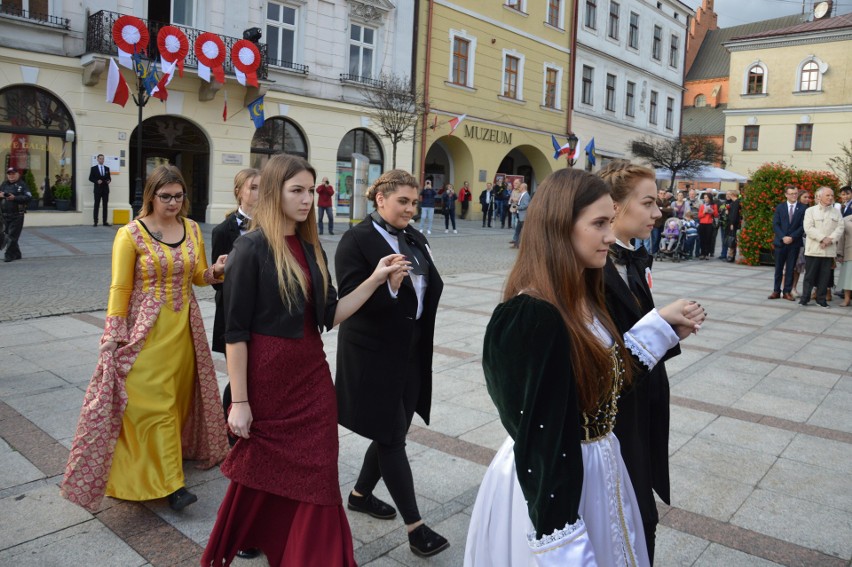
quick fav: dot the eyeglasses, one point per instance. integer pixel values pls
(167, 198)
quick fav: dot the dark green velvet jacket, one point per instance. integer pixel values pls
(528, 372)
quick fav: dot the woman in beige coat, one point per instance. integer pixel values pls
(844, 254)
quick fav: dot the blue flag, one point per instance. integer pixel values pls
(138, 65)
(256, 112)
(590, 151)
(149, 79)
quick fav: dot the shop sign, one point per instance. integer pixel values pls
(487, 134)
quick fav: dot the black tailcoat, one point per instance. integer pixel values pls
(224, 235)
(642, 423)
(373, 345)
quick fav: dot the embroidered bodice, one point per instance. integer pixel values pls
(597, 425)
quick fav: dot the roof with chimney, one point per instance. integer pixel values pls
(825, 24)
(713, 59)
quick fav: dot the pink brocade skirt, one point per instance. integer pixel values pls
(289, 532)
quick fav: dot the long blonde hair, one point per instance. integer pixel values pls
(240, 180)
(269, 218)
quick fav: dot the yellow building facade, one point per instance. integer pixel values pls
(789, 96)
(505, 69)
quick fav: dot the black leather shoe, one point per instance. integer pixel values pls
(181, 498)
(249, 553)
(426, 543)
(107, 224)
(371, 505)
(95, 223)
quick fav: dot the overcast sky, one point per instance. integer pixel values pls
(736, 12)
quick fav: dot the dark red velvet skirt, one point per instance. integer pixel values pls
(290, 533)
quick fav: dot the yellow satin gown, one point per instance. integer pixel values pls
(147, 463)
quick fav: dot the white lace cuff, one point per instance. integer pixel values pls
(650, 339)
(567, 546)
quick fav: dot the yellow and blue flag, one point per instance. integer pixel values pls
(256, 112)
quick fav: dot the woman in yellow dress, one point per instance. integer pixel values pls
(154, 398)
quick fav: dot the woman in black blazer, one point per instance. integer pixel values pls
(384, 352)
(225, 233)
(642, 425)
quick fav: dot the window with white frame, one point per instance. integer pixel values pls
(657, 46)
(591, 20)
(183, 11)
(633, 36)
(513, 75)
(804, 135)
(612, 26)
(700, 101)
(588, 85)
(281, 34)
(809, 74)
(552, 86)
(362, 48)
(610, 92)
(462, 58)
(669, 113)
(519, 5)
(674, 51)
(630, 99)
(755, 79)
(652, 110)
(555, 13)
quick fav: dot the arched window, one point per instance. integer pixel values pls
(362, 142)
(756, 80)
(277, 135)
(34, 137)
(700, 101)
(809, 74)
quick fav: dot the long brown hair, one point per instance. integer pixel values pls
(547, 268)
(269, 218)
(388, 182)
(163, 175)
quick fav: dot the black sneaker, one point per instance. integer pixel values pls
(371, 505)
(181, 498)
(824, 305)
(426, 543)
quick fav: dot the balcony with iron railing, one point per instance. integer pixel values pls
(99, 40)
(366, 81)
(289, 66)
(34, 17)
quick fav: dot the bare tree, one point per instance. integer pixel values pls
(395, 107)
(842, 165)
(685, 155)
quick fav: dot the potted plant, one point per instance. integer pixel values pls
(62, 192)
(29, 181)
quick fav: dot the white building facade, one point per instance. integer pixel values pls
(317, 58)
(628, 74)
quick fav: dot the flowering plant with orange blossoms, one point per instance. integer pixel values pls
(763, 193)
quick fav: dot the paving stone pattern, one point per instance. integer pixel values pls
(761, 432)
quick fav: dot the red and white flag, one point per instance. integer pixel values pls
(454, 123)
(225, 110)
(116, 87)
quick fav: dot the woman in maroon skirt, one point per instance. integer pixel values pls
(284, 496)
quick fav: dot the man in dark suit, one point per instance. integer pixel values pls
(846, 201)
(99, 175)
(788, 228)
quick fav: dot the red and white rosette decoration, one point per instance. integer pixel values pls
(130, 36)
(173, 46)
(246, 58)
(210, 52)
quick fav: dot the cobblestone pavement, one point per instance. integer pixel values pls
(760, 441)
(67, 269)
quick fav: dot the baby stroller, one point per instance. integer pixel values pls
(675, 253)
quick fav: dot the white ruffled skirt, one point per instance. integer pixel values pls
(608, 534)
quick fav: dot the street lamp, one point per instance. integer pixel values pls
(140, 99)
(572, 145)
